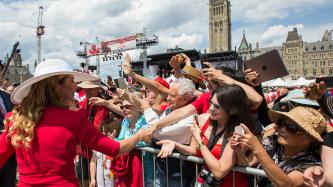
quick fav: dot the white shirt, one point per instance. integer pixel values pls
(179, 132)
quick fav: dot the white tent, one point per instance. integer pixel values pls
(266, 83)
(278, 82)
(300, 82)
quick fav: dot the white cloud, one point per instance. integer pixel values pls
(183, 23)
(275, 35)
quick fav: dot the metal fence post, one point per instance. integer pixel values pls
(181, 172)
(167, 172)
(143, 169)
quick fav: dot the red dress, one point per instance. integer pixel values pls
(240, 178)
(50, 159)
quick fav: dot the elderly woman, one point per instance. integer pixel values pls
(128, 168)
(45, 128)
(229, 106)
(294, 147)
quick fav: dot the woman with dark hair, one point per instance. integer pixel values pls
(229, 107)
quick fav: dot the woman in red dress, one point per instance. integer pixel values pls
(45, 127)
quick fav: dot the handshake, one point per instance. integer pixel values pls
(146, 135)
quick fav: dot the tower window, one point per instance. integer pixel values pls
(306, 49)
(322, 47)
(330, 47)
(314, 48)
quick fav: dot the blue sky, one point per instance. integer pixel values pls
(183, 23)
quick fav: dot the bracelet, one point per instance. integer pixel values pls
(200, 144)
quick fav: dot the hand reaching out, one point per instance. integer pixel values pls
(314, 176)
(97, 101)
(167, 147)
(252, 77)
(315, 91)
(213, 74)
(149, 135)
(127, 67)
(247, 140)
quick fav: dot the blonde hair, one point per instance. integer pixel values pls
(26, 116)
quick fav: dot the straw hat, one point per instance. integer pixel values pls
(309, 119)
(194, 74)
(46, 69)
(91, 84)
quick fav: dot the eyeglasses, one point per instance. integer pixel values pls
(292, 128)
(216, 106)
(122, 107)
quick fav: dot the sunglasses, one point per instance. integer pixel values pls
(216, 106)
(122, 107)
(294, 129)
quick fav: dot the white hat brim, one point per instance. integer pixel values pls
(23, 89)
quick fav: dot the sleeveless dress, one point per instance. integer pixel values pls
(241, 179)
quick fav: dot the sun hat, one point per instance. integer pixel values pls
(298, 96)
(91, 84)
(194, 75)
(46, 69)
(309, 119)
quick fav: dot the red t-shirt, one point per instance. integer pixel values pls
(50, 159)
(202, 103)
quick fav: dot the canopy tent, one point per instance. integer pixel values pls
(278, 82)
(266, 83)
(301, 82)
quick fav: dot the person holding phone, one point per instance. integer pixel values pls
(229, 107)
(285, 155)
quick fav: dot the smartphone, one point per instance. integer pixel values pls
(120, 83)
(195, 116)
(239, 129)
(328, 81)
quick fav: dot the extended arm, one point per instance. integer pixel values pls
(175, 116)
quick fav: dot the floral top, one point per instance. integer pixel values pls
(299, 162)
(126, 132)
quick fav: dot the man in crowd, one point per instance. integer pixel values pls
(181, 93)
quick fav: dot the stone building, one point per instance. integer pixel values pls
(17, 72)
(308, 59)
(219, 26)
(246, 51)
(302, 59)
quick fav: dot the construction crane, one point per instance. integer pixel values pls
(39, 32)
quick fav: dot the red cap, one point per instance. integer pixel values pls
(162, 81)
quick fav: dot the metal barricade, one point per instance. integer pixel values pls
(248, 170)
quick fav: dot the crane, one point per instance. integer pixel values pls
(39, 32)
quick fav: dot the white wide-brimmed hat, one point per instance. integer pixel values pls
(46, 69)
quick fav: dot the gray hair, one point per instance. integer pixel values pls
(185, 86)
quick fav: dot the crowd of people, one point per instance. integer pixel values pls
(68, 128)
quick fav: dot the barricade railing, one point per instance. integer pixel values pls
(248, 170)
